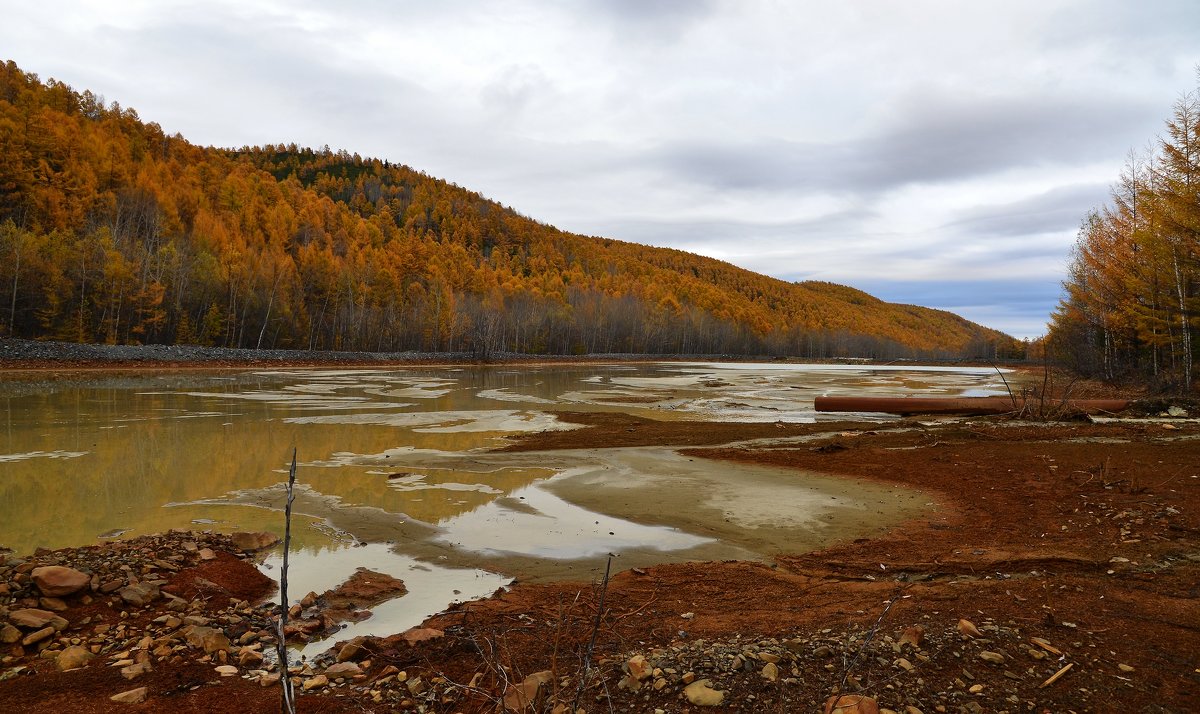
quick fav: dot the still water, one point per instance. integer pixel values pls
(395, 471)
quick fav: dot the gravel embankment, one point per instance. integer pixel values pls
(34, 353)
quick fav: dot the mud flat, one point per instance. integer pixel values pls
(1072, 550)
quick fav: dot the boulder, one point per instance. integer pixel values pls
(133, 696)
(351, 650)
(913, 636)
(851, 704)
(250, 659)
(314, 682)
(209, 639)
(968, 629)
(73, 658)
(32, 618)
(139, 594)
(343, 669)
(248, 541)
(770, 672)
(522, 696)
(53, 604)
(37, 636)
(59, 580)
(136, 670)
(701, 694)
(639, 668)
(9, 634)
(421, 634)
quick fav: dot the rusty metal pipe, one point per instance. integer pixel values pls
(969, 406)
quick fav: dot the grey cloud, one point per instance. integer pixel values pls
(706, 236)
(652, 20)
(928, 140)
(1060, 209)
(940, 137)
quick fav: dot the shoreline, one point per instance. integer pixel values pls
(21, 355)
(1081, 536)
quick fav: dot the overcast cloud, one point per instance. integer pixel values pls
(936, 153)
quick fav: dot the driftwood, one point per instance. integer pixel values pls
(905, 406)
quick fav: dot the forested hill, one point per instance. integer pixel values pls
(113, 231)
(1132, 302)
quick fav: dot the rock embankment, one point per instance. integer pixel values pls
(16, 351)
(37, 353)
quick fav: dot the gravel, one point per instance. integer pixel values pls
(26, 351)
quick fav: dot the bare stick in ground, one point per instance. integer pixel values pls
(287, 704)
(849, 665)
(591, 648)
(1012, 397)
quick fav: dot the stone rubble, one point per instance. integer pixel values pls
(931, 663)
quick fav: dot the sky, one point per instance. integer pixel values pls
(929, 152)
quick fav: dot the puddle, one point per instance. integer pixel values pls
(42, 455)
(431, 587)
(535, 522)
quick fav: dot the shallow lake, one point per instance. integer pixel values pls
(395, 472)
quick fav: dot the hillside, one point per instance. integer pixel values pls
(112, 230)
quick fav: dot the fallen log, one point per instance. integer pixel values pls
(968, 406)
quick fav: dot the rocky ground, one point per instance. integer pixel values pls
(45, 355)
(1059, 572)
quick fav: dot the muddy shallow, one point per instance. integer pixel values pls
(405, 460)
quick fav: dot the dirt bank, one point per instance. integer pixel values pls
(1063, 544)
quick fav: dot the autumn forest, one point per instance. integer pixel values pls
(1132, 304)
(114, 231)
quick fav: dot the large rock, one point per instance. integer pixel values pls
(253, 541)
(343, 669)
(702, 694)
(521, 697)
(968, 629)
(9, 634)
(251, 659)
(133, 696)
(37, 636)
(770, 672)
(32, 618)
(352, 650)
(851, 704)
(136, 670)
(639, 667)
(59, 580)
(73, 658)
(209, 639)
(139, 594)
(421, 634)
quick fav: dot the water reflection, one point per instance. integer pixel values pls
(399, 456)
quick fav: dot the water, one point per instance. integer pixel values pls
(395, 472)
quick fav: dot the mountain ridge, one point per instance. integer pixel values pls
(117, 232)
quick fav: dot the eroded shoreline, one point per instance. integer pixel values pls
(1082, 536)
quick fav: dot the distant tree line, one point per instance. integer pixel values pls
(113, 231)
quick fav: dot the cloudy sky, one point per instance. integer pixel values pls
(933, 152)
